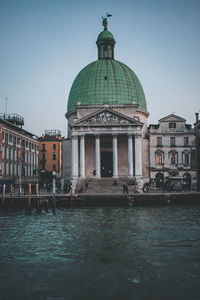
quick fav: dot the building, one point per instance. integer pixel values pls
(172, 153)
(18, 152)
(197, 132)
(107, 117)
(50, 154)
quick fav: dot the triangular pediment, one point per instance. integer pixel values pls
(171, 118)
(106, 117)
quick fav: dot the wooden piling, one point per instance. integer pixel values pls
(29, 196)
(45, 201)
(11, 195)
(3, 196)
(39, 209)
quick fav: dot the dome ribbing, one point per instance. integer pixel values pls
(106, 81)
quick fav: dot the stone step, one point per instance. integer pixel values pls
(103, 185)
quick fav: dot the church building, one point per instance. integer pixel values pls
(107, 120)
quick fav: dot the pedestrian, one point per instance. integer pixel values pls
(124, 188)
(86, 186)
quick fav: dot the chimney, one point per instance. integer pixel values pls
(197, 117)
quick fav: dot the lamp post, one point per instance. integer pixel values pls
(53, 191)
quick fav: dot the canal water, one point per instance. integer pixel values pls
(101, 253)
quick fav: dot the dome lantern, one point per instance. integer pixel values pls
(105, 42)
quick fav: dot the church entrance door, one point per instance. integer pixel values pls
(106, 164)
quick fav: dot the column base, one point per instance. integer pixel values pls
(139, 180)
(115, 176)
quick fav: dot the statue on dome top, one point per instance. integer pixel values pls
(105, 22)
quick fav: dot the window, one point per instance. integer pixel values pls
(173, 156)
(10, 138)
(43, 147)
(172, 125)
(26, 144)
(54, 146)
(159, 141)
(7, 153)
(159, 157)
(54, 167)
(172, 141)
(187, 159)
(186, 140)
(54, 156)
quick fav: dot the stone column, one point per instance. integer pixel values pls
(138, 155)
(115, 156)
(82, 156)
(74, 156)
(97, 155)
(130, 155)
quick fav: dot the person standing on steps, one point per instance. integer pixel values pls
(86, 186)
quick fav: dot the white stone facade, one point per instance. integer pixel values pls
(173, 153)
(108, 141)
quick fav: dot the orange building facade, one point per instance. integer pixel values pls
(50, 152)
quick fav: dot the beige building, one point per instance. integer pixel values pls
(173, 153)
(18, 152)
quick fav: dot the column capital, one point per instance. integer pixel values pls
(138, 135)
(115, 134)
(74, 137)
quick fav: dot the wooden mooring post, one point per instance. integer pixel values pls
(54, 192)
(29, 197)
(39, 208)
(11, 195)
(3, 196)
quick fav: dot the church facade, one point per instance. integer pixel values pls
(107, 120)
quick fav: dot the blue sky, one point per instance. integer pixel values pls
(45, 43)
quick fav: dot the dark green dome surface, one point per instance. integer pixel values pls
(106, 81)
(105, 35)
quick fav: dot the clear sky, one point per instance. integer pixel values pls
(45, 43)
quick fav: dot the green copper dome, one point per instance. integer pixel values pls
(106, 81)
(105, 35)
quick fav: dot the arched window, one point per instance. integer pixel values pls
(159, 156)
(173, 157)
(186, 158)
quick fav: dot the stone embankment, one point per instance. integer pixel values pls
(44, 202)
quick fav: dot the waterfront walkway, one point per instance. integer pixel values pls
(86, 198)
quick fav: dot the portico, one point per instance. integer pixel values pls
(111, 149)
